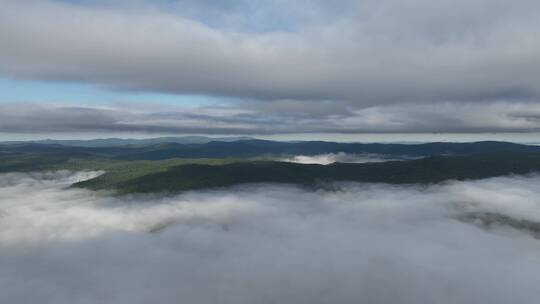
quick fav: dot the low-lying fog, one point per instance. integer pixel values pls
(364, 243)
(341, 157)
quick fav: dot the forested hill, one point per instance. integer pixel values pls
(428, 170)
(177, 167)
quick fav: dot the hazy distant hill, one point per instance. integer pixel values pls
(256, 148)
(115, 142)
(253, 148)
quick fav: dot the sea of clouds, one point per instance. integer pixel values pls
(362, 243)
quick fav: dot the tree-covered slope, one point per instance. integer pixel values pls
(428, 170)
(175, 167)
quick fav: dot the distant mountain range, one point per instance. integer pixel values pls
(115, 142)
(148, 150)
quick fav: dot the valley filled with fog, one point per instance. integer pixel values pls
(264, 243)
(341, 157)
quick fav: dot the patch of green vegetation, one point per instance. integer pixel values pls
(118, 173)
(488, 220)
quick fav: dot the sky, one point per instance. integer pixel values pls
(269, 68)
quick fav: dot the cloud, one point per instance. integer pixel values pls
(329, 158)
(267, 244)
(304, 67)
(269, 118)
(363, 52)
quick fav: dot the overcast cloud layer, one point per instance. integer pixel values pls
(269, 118)
(367, 53)
(267, 244)
(283, 67)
